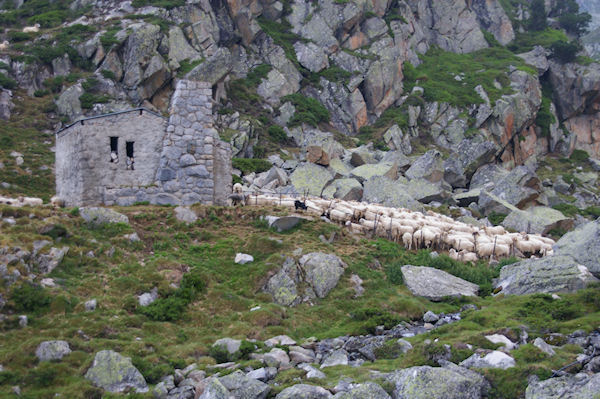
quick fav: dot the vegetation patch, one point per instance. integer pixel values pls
(308, 110)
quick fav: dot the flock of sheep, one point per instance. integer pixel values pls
(417, 230)
(28, 29)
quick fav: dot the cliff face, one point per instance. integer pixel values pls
(400, 73)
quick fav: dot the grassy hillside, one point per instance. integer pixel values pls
(203, 253)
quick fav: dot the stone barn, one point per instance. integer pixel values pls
(140, 156)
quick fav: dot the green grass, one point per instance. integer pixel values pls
(308, 110)
(525, 42)
(207, 248)
(484, 67)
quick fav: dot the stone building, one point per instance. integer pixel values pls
(137, 155)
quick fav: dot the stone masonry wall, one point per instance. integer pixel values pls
(182, 161)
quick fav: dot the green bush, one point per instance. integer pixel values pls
(569, 210)
(88, 100)
(256, 75)
(7, 82)
(109, 38)
(565, 51)
(496, 218)
(30, 298)
(579, 156)
(18, 36)
(308, 110)
(152, 372)
(49, 19)
(41, 93)
(168, 4)
(277, 134)
(108, 74)
(249, 165)
(43, 375)
(528, 354)
(394, 273)
(174, 306)
(186, 66)
(219, 353)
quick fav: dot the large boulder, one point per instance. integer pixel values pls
(310, 178)
(138, 50)
(243, 387)
(583, 245)
(538, 57)
(282, 286)
(575, 87)
(429, 166)
(213, 69)
(100, 216)
(214, 389)
(311, 56)
(322, 271)
(579, 386)
(537, 220)
(179, 48)
(229, 344)
(368, 390)
(366, 171)
(6, 104)
(382, 190)
(52, 350)
(344, 189)
(519, 187)
(550, 274)
(303, 391)
(424, 191)
(115, 373)
(68, 103)
(435, 284)
(448, 382)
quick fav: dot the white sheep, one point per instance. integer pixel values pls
(57, 202)
(238, 188)
(491, 249)
(4, 45)
(465, 256)
(32, 29)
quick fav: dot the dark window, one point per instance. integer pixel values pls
(129, 152)
(114, 149)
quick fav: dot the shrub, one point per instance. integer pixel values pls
(41, 93)
(30, 298)
(219, 353)
(528, 354)
(152, 372)
(496, 218)
(249, 165)
(257, 74)
(49, 19)
(277, 134)
(565, 51)
(569, 210)
(579, 156)
(88, 100)
(108, 74)
(7, 82)
(394, 273)
(168, 4)
(43, 375)
(308, 110)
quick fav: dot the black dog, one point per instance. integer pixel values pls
(300, 205)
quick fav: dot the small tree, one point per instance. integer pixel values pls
(565, 51)
(538, 21)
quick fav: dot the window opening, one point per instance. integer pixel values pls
(129, 153)
(114, 149)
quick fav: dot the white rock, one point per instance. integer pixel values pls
(242, 259)
(495, 359)
(90, 305)
(311, 372)
(336, 358)
(148, 297)
(501, 339)
(48, 282)
(280, 340)
(543, 346)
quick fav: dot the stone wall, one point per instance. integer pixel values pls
(179, 161)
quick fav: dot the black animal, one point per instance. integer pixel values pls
(300, 205)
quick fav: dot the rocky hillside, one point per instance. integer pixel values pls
(487, 111)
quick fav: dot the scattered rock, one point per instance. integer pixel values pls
(243, 387)
(115, 373)
(185, 214)
(148, 297)
(550, 274)
(100, 216)
(543, 346)
(322, 271)
(368, 390)
(579, 386)
(283, 223)
(435, 284)
(501, 339)
(303, 391)
(90, 305)
(583, 245)
(232, 345)
(336, 358)
(242, 259)
(494, 359)
(52, 350)
(537, 220)
(430, 317)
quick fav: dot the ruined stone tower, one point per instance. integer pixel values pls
(139, 156)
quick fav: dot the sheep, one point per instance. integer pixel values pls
(493, 249)
(57, 202)
(465, 256)
(32, 29)
(355, 228)
(4, 45)
(453, 254)
(339, 216)
(496, 230)
(407, 240)
(238, 188)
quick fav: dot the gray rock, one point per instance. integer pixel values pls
(424, 191)
(494, 359)
(303, 391)
(345, 189)
(538, 57)
(50, 261)
(242, 259)
(550, 274)
(52, 350)
(68, 103)
(276, 358)
(537, 220)
(6, 104)
(232, 345)
(115, 373)
(383, 191)
(243, 387)
(179, 48)
(435, 284)
(397, 141)
(571, 82)
(312, 372)
(368, 390)
(430, 317)
(543, 346)
(284, 223)
(311, 56)
(213, 69)
(448, 382)
(322, 271)
(367, 171)
(148, 297)
(282, 286)
(214, 389)
(100, 216)
(583, 245)
(429, 166)
(185, 214)
(310, 178)
(338, 357)
(579, 386)
(23, 321)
